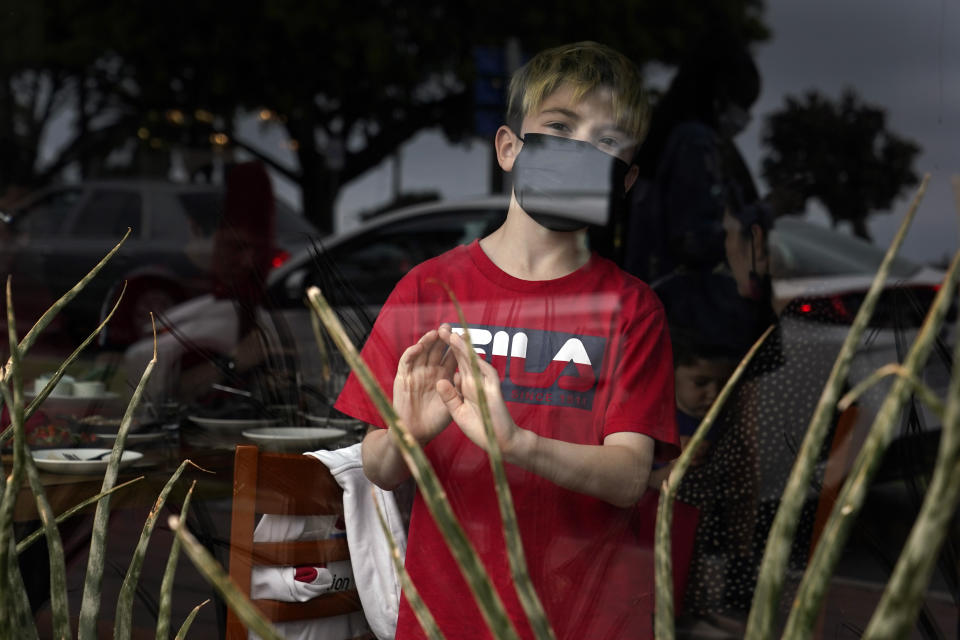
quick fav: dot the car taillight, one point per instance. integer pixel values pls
(279, 257)
(898, 307)
(831, 309)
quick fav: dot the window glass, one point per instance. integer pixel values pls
(203, 210)
(108, 214)
(802, 250)
(46, 216)
(168, 218)
(291, 222)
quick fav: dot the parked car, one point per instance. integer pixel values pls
(827, 273)
(59, 233)
(809, 261)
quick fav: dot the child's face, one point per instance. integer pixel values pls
(698, 384)
(591, 119)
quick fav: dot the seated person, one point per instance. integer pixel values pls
(220, 337)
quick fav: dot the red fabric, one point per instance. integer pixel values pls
(581, 357)
(245, 239)
(682, 536)
(305, 574)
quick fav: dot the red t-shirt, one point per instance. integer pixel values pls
(580, 357)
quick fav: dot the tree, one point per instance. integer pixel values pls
(350, 81)
(53, 63)
(840, 153)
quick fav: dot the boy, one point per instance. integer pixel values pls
(576, 366)
(699, 374)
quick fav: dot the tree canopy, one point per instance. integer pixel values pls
(838, 152)
(348, 82)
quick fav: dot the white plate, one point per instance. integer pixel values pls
(72, 403)
(232, 424)
(133, 437)
(54, 460)
(294, 437)
(341, 423)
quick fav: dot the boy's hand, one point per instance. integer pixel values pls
(415, 396)
(461, 400)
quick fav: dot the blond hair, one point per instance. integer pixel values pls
(585, 66)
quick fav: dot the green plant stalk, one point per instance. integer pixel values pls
(14, 397)
(420, 610)
(25, 543)
(806, 606)
(207, 565)
(90, 604)
(182, 633)
(169, 573)
(511, 530)
(38, 400)
(21, 617)
(904, 593)
(12, 370)
(432, 492)
(123, 620)
(662, 559)
(773, 567)
(59, 604)
(926, 394)
(325, 365)
(51, 313)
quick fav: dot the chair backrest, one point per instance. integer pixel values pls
(288, 484)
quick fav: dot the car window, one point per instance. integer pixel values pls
(166, 219)
(203, 209)
(802, 250)
(289, 222)
(108, 214)
(371, 263)
(46, 216)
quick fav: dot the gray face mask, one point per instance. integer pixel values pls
(550, 172)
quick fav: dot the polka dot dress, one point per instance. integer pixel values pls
(738, 487)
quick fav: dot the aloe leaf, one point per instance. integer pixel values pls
(58, 374)
(14, 398)
(25, 543)
(925, 393)
(903, 596)
(59, 604)
(169, 573)
(325, 367)
(511, 530)
(773, 567)
(90, 604)
(833, 539)
(182, 633)
(21, 617)
(216, 576)
(663, 573)
(51, 313)
(432, 492)
(419, 608)
(123, 621)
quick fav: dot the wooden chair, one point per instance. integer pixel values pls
(286, 484)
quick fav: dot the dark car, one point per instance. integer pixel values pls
(59, 233)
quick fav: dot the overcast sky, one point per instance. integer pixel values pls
(903, 55)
